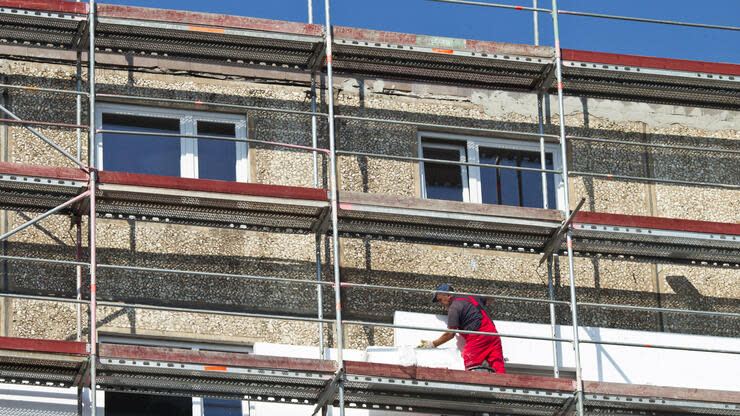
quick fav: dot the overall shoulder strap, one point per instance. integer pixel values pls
(480, 308)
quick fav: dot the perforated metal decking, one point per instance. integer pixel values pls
(303, 210)
(183, 372)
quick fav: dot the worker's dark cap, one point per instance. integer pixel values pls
(444, 287)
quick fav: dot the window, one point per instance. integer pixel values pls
(484, 184)
(168, 155)
(130, 404)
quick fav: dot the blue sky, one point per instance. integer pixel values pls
(494, 24)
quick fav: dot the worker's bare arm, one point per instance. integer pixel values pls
(444, 338)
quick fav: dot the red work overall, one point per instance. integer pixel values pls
(483, 347)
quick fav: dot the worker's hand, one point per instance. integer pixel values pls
(425, 343)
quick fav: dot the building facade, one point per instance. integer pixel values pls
(422, 150)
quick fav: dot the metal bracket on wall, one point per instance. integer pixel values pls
(568, 407)
(330, 391)
(322, 224)
(548, 74)
(82, 379)
(81, 40)
(554, 242)
(317, 57)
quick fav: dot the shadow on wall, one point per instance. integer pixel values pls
(297, 299)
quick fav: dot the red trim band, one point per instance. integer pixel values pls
(651, 62)
(43, 345)
(675, 224)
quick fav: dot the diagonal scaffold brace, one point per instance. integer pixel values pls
(554, 242)
(47, 140)
(330, 392)
(45, 214)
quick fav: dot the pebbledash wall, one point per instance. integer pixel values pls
(363, 259)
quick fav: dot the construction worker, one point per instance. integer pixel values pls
(481, 352)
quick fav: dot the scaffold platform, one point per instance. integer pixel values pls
(185, 372)
(275, 208)
(42, 30)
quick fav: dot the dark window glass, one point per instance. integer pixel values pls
(511, 187)
(216, 158)
(443, 181)
(129, 404)
(129, 152)
(222, 407)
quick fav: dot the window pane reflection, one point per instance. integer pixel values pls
(443, 181)
(511, 187)
(222, 407)
(216, 158)
(125, 152)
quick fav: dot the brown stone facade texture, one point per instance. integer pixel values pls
(364, 260)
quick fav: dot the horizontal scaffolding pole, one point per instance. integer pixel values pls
(658, 145)
(211, 104)
(456, 331)
(44, 215)
(662, 310)
(42, 123)
(39, 89)
(658, 346)
(447, 162)
(369, 286)
(657, 180)
(433, 291)
(228, 139)
(446, 126)
(50, 261)
(360, 323)
(639, 19)
(43, 298)
(210, 274)
(212, 312)
(500, 6)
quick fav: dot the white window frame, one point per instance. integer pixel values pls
(188, 126)
(471, 145)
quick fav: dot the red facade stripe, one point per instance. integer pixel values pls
(47, 5)
(651, 62)
(660, 223)
(43, 345)
(215, 359)
(456, 376)
(677, 393)
(207, 185)
(52, 172)
(207, 19)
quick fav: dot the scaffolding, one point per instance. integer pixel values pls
(80, 33)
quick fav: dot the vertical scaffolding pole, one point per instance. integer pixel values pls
(333, 185)
(545, 204)
(551, 291)
(78, 226)
(319, 296)
(314, 144)
(566, 208)
(536, 24)
(543, 164)
(93, 180)
(79, 105)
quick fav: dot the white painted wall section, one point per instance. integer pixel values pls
(651, 366)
